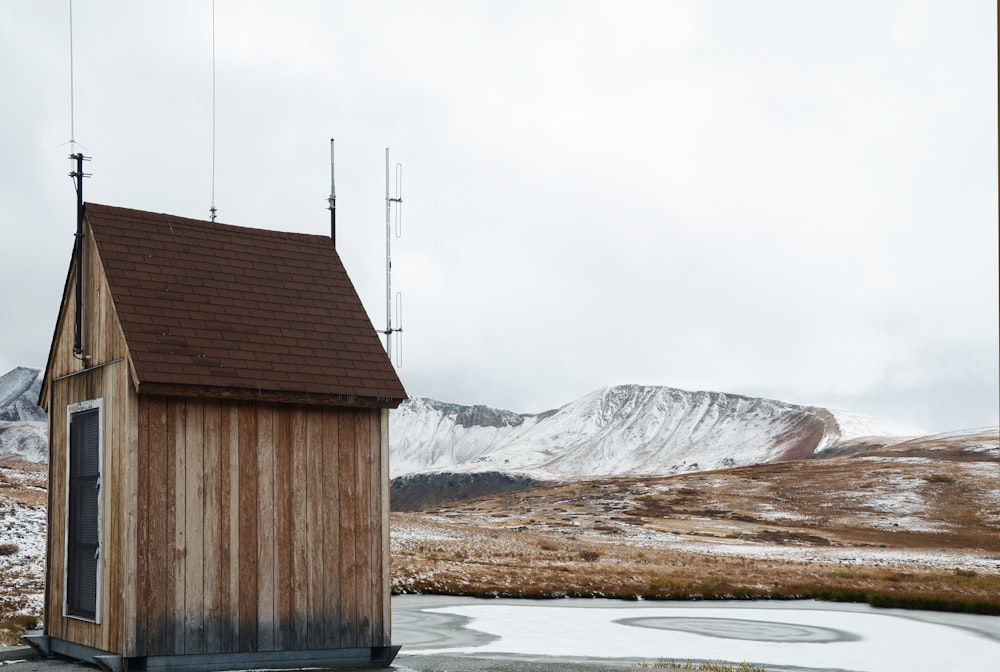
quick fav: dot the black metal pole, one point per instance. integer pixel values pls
(78, 256)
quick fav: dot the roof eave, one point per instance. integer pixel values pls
(344, 399)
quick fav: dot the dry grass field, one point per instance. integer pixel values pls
(916, 525)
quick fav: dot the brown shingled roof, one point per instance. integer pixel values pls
(215, 307)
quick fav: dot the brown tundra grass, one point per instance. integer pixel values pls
(656, 537)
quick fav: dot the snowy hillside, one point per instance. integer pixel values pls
(616, 430)
(854, 425)
(19, 390)
(626, 429)
(23, 426)
(27, 441)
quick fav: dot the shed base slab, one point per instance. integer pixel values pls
(372, 657)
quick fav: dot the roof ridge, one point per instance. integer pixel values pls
(120, 212)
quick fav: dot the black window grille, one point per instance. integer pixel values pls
(83, 547)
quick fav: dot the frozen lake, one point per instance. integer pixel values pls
(788, 635)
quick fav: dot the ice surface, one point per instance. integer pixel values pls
(885, 641)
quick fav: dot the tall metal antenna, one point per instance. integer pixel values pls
(72, 91)
(332, 201)
(77, 159)
(389, 201)
(72, 111)
(212, 210)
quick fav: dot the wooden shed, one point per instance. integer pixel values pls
(218, 452)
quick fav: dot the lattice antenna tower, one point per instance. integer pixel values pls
(393, 226)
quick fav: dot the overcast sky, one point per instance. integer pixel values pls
(795, 200)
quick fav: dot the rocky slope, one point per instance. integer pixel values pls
(23, 426)
(626, 429)
(19, 390)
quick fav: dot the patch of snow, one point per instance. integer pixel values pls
(899, 496)
(891, 523)
(891, 458)
(895, 505)
(856, 425)
(23, 571)
(411, 532)
(874, 557)
(768, 512)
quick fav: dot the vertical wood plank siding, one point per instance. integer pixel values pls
(246, 550)
(104, 375)
(315, 552)
(300, 543)
(331, 559)
(289, 498)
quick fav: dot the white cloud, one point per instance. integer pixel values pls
(749, 197)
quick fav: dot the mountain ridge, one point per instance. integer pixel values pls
(19, 390)
(615, 430)
(621, 429)
(23, 424)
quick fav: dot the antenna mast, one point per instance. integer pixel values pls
(213, 210)
(389, 201)
(332, 200)
(77, 158)
(72, 111)
(78, 176)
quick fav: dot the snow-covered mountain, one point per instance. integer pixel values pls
(27, 441)
(23, 426)
(626, 429)
(19, 390)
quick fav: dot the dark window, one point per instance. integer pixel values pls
(83, 542)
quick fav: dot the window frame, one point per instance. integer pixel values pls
(72, 409)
